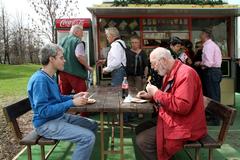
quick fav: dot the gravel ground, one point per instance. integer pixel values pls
(9, 146)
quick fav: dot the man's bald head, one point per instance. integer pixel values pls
(161, 60)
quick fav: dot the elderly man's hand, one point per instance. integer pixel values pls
(144, 95)
(100, 62)
(90, 69)
(78, 101)
(104, 71)
(151, 89)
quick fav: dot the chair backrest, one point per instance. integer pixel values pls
(225, 113)
(15, 110)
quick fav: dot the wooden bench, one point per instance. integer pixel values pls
(12, 112)
(227, 115)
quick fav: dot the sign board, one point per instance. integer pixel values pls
(69, 22)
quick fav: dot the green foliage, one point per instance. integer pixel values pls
(162, 2)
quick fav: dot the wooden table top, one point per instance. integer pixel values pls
(109, 99)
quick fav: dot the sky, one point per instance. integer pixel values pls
(22, 6)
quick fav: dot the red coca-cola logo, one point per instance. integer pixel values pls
(67, 23)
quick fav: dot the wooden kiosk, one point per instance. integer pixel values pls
(157, 23)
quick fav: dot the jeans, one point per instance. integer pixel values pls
(73, 128)
(117, 76)
(211, 80)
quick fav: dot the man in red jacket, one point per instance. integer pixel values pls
(181, 115)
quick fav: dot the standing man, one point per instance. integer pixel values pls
(116, 59)
(181, 115)
(49, 106)
(211, 66)
(76, 68)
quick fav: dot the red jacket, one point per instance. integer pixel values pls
(181, 105)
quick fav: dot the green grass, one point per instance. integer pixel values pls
(14, 78)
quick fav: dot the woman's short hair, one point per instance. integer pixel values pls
(47, 51)
(188, 44)
(113, 31)
(175, 40)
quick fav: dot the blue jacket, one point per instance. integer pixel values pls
(45, 98)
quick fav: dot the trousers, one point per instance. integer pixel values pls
(211, 82)
(73, 128)
(117, 76)
(147, 143)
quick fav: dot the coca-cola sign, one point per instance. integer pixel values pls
(67, 23)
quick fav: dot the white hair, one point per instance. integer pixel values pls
(113, 31)
(75, 28)
(160, 53)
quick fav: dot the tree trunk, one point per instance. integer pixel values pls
(5, 39)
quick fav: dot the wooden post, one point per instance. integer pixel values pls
(42, 152)
(102, 135)
(29, 152)
(197, 154)
(210, 154)
(113, 131)
(121, 136)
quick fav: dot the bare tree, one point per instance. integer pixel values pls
(1, 41)
(33, 43)
(25, 41)
(5, 34)
(20, 37)
(49, 10)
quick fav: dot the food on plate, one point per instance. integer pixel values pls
(91, 101)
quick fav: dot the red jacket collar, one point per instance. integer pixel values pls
(171, 75)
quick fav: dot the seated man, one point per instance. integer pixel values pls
(49, 106)
(181, 115)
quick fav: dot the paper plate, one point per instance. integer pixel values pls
(138, 100)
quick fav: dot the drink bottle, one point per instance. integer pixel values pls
(124, 87)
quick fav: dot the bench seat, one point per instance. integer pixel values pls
(209, 142)
(193, 144)
(46, 141)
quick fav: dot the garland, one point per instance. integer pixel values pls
(162, 2)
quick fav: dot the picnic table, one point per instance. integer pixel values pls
(109, 100)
